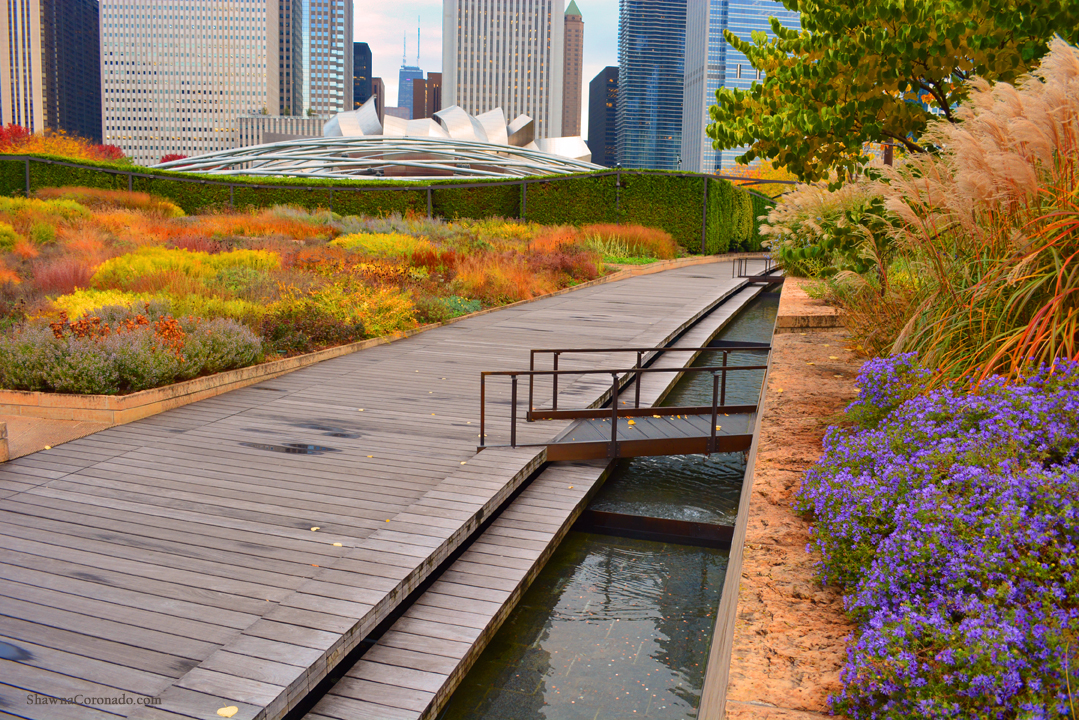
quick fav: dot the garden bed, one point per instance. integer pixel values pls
(115, 293)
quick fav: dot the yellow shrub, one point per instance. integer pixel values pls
(80, 302)
(123, 270)
(213, 307)
(382, 244)
(43, 209)
(8, 237)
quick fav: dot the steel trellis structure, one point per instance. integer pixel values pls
(392, 157)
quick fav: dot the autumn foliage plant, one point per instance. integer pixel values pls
(970, 255)
(269, 282)
(15, 139)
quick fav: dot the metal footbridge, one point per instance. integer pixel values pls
(617, 426)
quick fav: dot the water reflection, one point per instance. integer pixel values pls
(612, 628)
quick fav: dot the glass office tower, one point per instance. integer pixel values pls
(711, 63)
(651, 60)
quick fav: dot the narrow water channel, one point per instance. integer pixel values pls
(617, 628)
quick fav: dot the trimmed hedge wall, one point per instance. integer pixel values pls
(671, 201)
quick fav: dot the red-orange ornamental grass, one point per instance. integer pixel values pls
(62, 275)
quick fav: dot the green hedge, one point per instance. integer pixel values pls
(760, 205)
(669, 201)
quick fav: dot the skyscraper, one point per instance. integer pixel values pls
(361, 73)
(404, 86)
(651, 56)
(505, 53)
(711, 63)
(176, 77)
(50, 66)
(571, 70)
(378, 92)
(427, 96)
(285, 63)
(603, 117)
(321, 55)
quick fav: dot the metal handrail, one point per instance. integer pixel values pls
(640, 364)
(718, 397)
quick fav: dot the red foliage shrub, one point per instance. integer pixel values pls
(17, 139)
(171, 156)
(61, 276)
(434, 260)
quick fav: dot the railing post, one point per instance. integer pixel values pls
(27, 177)
(614, 415)
(715, 411)
(513, 414)
(129, 185)
(483, 407)
(428, 202)
(554, 384)
(723, 392)
(524, 199)
(531, 382)
(637, 383)
(232, 197)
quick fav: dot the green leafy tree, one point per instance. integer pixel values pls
(875, 71)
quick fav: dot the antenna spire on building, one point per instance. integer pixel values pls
(404, 53)
(417, 41)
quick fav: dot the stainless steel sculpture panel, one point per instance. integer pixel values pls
(452, 144)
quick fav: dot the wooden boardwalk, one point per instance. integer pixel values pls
(228, 553)
(413, 669)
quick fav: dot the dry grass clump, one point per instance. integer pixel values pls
(993, 226)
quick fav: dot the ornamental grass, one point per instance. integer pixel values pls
(298, 279)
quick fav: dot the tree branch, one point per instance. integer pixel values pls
(910, 145)
(934, 89)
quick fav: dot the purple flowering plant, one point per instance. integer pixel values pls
(951, 520)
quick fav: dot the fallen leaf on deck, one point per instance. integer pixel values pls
(227, 712)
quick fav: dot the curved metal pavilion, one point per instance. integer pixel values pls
(385, 156)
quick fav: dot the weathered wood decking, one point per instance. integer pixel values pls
(176, 558)
(413, 669)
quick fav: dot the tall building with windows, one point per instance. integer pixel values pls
(651, 57)
(603, 117)
(361, 73)
(176, 77)
(50, 66)
(404, 86)
(427, 96)
(507, 54)
(572, 70)
(322, 56)
(711, 63)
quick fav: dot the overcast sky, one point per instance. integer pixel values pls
(383, 25)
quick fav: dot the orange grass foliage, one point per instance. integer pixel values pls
(84, 240)
(501, 278)
(261, 224)
(554, 240)
(658, 242)
(98, 198)
(25, 249)
(7, 275)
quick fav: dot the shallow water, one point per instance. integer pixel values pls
(615, 628)
(612, 628)
(695, 487)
